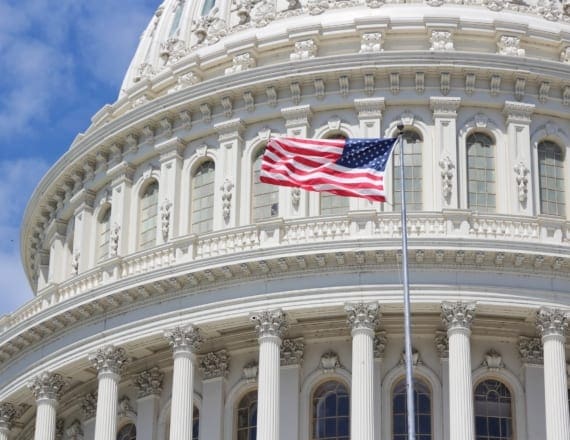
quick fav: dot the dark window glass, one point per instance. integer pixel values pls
(247, 417)
(331, 412)
(493, 417)
(412, 172)
(551, 179)
(422, 406)
(127, 432)
(481, 188)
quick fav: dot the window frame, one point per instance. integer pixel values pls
(493, 145)
(144, 187)
(191, 212)
(314, 389)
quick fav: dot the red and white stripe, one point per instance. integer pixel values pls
(310, 164)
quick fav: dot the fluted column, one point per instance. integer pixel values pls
(270, 327)
(185, 342)
(458, 317)
(363, 319)
(109, 362)
(9, 413)
(552, 325)
(47, 389)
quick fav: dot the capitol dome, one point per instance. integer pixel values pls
(177, 297)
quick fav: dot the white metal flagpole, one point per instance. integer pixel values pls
(407, 324)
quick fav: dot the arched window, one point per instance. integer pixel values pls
(127, 432)
(422, 406)
(331, 204)
(103, 233)
(493, 411)
(551, 178)
(265, 198)
(203, 198)
(412, 172)
(148, 216)
(481, 189)
(331, 412)
(247, 417)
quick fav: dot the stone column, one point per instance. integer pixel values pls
(552, 325)
(458, 317)
(47, 389)
(444, 153)
(149, 385)
(270, 326)
(442, 345)
(185, 342)
(214, 367)
(9, 413)
(530, 350)
(110, 362)
(363, 320)
(291, 359)
(515, 159)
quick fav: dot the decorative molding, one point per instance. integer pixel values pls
(447, 168)
(370, 107)
(379, 344)
(109, 359)
(371, 42)
(292, 351)
(416, 358)
(149, 382)
(250, 371)
(493, 360)
(565, 55)
(10, 413)
(226, 189)
(520, 86)
(304, 50)
(165, 210)
(187, 338)
(269, 323)
(215, 364)
(510, 45)
(296, 116)
(329, 362)
(125, 409)
(530, 350)
(518, 112)
(457, 314)
(551, 322)
(444, 107)
(362, 315)
(522, 171)
(441, 341)
(441, 41)
(88, 406)
(47, 386)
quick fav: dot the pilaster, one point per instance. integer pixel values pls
(214, 367)
(55, 236)
(84, 250)
(444, 180)
(532, 358)
(442, 346)
(121, 209)
(380, 342)
(518, 153)
(297, 123)
(149, 386)
(292, 351)
(228, 173)
(169, 190)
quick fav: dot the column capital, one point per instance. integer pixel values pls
(9, 413)
(551, 322)
(457, 314)
(270, 323)
(518, 112)
(292, 351)
(444, 107)
(149, 382)
(88, 406)
(109, 359)
(530, 350)
(187, 338)
(47, 386)
(215, 364)
(441, 341)
(296, 116)
(370, 107)
(362, 315)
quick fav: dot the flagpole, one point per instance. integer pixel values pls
(407, 324)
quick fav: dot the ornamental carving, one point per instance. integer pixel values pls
(493, 360)
(304, 50)
(227, 189)
(379, 344)
(495, 5)
(186, 338)
(47, 386)
(250, 371)
(242, 8)
(125, 409)
(329, 362)
(165, 218)
(295, 197)
(292, 351)
(10, 413)
(371, 42)
(114, 240)
(362, 316)
(551, 10)
(269, 323)
(375, 3)
(457, 315)
(530, 350)
(75, 431)
(173, 50)
(565, 55)
(510, 45)
(215, 364)
(109, 359)
(89, 406)
(442, 344)
(446, 166)
(149, 382)
(209, 29)
(441, 41)
(551, 322)
(522, 172)
(59, 426)
(416, 358)
(185, 81)
(144, 71)
(316, 7)
(263, 13)
(241, 63)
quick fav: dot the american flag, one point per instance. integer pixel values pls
(347, 167)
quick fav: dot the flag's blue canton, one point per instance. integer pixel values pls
(366, 153)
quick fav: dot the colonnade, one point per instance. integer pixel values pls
(271, 325)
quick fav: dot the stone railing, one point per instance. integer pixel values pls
(365, 225)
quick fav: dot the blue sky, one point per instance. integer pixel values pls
(60, 62)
